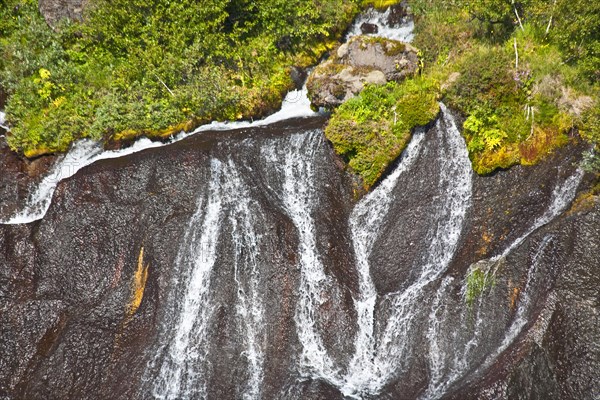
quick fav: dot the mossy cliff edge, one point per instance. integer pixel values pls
(154, 68)
(523, 76)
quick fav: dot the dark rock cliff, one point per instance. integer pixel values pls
(79, 317)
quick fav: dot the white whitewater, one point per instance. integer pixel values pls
(86, 152)
(365, 224)
(456, 185)
(3, 120)
(183, 360)
(524, 301)
(244, 218)
(435, 335)
(182, 372)
(403, 32)
(300, 200)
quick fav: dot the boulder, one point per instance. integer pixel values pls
(363, 60)
(368, 28)
(397, 13)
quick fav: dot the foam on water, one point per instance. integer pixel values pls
(402, 32)
(3, 120)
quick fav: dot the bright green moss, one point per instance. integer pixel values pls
(371, 130)
(477, 282)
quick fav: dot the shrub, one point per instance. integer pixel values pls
(148, 67)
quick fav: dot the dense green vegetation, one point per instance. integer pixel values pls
(524, 75)
(372, 129)
(154, 67)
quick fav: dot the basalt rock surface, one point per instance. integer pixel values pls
(90, 294)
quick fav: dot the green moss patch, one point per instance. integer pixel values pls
(477, 282)
(522, 93)
(371, 130)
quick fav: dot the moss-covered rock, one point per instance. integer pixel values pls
(363, 60)
(370, 131)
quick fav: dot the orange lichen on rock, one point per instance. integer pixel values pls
(138, 285)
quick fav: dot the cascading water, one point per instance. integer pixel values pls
(244, 218)
(3, 120)
(365, 223)
(423, 320)
(460, 357)
(379, 358)
(402, 31)
(182, 368)
(86, 152)
(181, 365)
(384, 342)
(300, 201)
(562, 196)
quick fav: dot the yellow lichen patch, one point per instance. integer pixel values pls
(380, 4)
(584, 202)
(37, 152)
(486, 237)
(165, 133)
(138, 285)
(514, 297)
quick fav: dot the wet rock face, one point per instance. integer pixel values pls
(363, 60)
(91, 297)
(71, 324)
(557, 355)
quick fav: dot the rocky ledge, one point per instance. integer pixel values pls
(363, 60)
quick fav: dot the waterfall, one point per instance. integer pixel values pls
(379, 358)
(182, 372)
(365, 223)
(244, 220)
(519, 320)
(85, 152)
(403, 33)
(300, 201)
(81, 154)
(455, 184)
